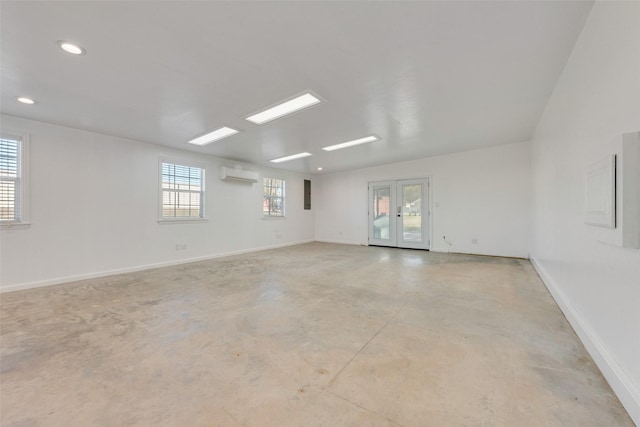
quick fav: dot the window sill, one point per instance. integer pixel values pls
(167, 221)
(15, 226)
(268, 218)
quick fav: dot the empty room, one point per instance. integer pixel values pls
(320, 213)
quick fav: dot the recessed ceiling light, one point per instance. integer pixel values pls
(319, 169)
(71, 48)
(217, 134)
(364, 140)
(284, 108)
(292, 157)
(26, 100)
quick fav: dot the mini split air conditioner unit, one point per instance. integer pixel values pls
(242, 175)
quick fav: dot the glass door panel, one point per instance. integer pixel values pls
(382, 221)
(381, 212)
(412, 213)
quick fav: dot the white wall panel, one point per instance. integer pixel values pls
(480, 194)
(597, 281)
(94, 210)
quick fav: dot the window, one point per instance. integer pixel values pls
(182, 188)
(13, 180)
(273, 204)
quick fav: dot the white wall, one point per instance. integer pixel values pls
(597, 285)
(94, 209)
(481, 194)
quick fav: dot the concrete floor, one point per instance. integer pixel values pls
(317, 334)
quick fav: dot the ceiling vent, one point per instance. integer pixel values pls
(235, 174)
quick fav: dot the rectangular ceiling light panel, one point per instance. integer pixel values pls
(364, 140)
(292, 157)
(287, 107)
(217, 134)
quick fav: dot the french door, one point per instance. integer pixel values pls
(399, 213)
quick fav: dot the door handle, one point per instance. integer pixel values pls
(399, 211)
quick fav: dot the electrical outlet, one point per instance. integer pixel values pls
(474, 241)
(183, 247)
(177, 247)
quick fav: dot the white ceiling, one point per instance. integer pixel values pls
(427, 77)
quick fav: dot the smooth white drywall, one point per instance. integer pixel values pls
(596, 100)
(480, 194)
(94, 210)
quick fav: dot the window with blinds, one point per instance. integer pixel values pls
(273, 202)
(11, 180)
(182, 191)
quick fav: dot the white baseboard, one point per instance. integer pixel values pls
(619, 381)
(74, 278)
(479, 253)
(342, 242)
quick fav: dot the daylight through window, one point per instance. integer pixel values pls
(273, 203)
(11, 180)
(182, 191)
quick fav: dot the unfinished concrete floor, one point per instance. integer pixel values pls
(316, 334)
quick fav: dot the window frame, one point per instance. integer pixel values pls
(22, 138)
(283, 197)
(186, 163)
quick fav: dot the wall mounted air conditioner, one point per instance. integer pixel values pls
(234, 174)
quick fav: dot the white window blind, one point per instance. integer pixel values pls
(10, 179)
(273, 203)
(182, 191)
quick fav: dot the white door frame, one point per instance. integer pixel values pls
(395, 220)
